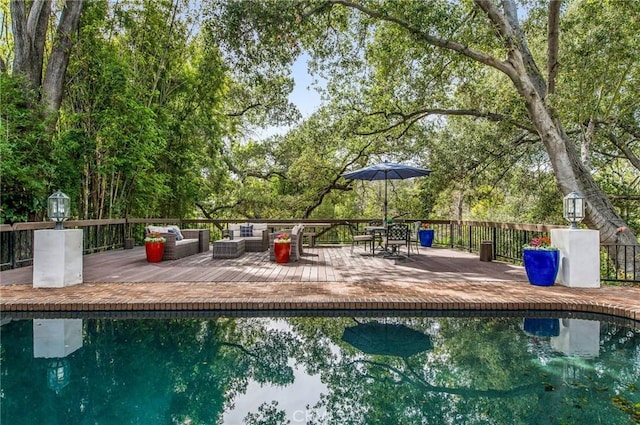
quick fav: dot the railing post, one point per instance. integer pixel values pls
(451, 230)
(494, 236)
(12, 248)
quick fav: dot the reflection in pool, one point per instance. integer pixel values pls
(303, 370)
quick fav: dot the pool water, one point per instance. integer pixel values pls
(320, 370)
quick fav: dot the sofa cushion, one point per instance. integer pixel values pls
(187, 241)
(246, 230)
(234, 231)
(159, 229)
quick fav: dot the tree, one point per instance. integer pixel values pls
(29, 118)
(432, 48)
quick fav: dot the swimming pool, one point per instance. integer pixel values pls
(322, 370)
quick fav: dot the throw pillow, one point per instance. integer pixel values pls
(176, 230)
(246, 231)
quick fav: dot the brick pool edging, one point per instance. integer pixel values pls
(622, 302)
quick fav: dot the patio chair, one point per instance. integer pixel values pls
(414, 238)
(398, 236)
(357, 237)
(299, 236)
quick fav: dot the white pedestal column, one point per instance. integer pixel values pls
(578, 337)
(579, 257)
(57, 258)
(55, 338)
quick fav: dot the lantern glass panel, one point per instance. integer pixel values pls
(59, 204)
(573, 210)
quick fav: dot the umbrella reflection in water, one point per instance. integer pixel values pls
(387, 339)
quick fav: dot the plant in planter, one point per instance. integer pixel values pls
(541, 261)
(282, 247)
(283, 238)
(154, 247)
(426, 234)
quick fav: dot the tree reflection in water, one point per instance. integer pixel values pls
(177, 371)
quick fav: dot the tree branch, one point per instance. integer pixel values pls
(334, 183)
(553, 34)
(211, 213)
(414, 116)
(509, 30)
(476, 55)
(626, 151)
(243, 111)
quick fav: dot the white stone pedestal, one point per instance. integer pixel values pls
(57, 258)
(56, 338)
(579, 257)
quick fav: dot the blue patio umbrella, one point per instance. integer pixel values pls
(387, 339)
(386, 171)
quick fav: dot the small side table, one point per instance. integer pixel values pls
(228, 248)
(203, 237)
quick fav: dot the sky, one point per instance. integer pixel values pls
(305, 97)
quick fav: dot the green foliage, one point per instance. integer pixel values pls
(141, 121)
(162, 98)
(26, 164)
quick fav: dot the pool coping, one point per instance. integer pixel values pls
(621, 302)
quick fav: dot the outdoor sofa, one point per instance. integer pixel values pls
(181, 242)
(255, 235)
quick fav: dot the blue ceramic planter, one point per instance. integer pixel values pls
(541, 266)
(541, 327)
(426, 236)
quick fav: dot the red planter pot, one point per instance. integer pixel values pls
(282, 251)
(154, 251)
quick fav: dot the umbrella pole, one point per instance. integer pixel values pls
(385, 197)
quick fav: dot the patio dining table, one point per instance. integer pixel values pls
(379, 233)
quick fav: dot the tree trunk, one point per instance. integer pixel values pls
(53, 85)
(29, 23)
(571, 174)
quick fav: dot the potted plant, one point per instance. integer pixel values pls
(154, 247)
(282, 247)
(541, 261)
(426, 234)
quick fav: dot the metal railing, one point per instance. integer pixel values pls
(619, 263)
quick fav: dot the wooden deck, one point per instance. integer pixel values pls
(320, 264)
(327, 278)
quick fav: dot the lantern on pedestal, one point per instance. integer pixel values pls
(59, 208)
